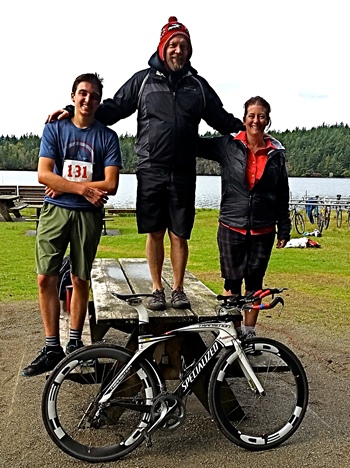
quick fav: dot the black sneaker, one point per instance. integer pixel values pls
(73, 345)
(179, 300)
(157, 302)
(247, 336)
(47, 360)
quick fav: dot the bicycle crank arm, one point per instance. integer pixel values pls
(163, 408)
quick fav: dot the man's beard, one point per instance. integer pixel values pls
(175, 65)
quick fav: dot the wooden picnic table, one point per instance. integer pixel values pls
(131, 275)
(8, 205)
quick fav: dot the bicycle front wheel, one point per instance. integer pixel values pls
(327, 217)
(299, 223)
(75, 420)
(254, 421)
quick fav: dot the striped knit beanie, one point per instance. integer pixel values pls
(172, 28)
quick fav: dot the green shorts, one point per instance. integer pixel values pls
(58, 228)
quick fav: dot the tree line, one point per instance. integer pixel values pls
(322, 151)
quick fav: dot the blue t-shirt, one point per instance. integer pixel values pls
(97, 144)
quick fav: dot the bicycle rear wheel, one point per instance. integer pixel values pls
(339, 218)
(299, 223)
(250, 420)
(75, 421)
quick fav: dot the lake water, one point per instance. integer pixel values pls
(208, 188)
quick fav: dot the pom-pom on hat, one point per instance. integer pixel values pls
(172, 28)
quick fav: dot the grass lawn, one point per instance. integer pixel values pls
(318, 280)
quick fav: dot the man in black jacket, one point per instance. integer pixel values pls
(171, 99)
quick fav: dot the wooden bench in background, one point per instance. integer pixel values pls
(8, 189)
(33, 196)
(122, 211)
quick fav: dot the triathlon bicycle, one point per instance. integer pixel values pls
(103, 401)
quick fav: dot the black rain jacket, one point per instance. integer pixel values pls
(169, 108)
(267, 204)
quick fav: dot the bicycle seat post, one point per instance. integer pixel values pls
(137, 304)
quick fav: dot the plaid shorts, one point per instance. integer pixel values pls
(244, 257)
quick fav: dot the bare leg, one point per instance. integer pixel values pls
(237, 323)
(179, 257)
(79, 302)
(49, 304)
(251, 317)
(155, 257)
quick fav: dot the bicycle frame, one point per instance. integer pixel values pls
(226, 338)
(255, 389)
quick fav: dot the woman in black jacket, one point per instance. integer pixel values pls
(254, 202)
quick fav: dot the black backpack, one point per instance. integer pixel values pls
(64, 278)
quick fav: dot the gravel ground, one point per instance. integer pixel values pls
(321, 441)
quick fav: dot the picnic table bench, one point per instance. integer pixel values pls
(9, 204)
(131, 275)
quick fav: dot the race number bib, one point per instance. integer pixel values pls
(77, 171)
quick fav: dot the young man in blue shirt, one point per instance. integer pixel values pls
(79, 164)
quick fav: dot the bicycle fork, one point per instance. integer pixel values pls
(247, 370)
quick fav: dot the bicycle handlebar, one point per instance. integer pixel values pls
(271, 305)
(247, 302)
(230, 302)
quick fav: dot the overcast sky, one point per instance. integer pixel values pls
(294, 54)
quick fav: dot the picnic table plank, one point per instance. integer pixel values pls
(203, 300)
(107, 277)
(139, 277)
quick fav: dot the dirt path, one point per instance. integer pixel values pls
(322, 441)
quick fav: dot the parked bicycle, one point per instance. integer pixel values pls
(339, 212)
(322, 216)
(297, 219)
(103, 401)
(348, 214)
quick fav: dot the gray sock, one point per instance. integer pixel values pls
(52, 341)
(75, 334)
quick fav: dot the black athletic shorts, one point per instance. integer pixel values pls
(244, 256)
(165, 200)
